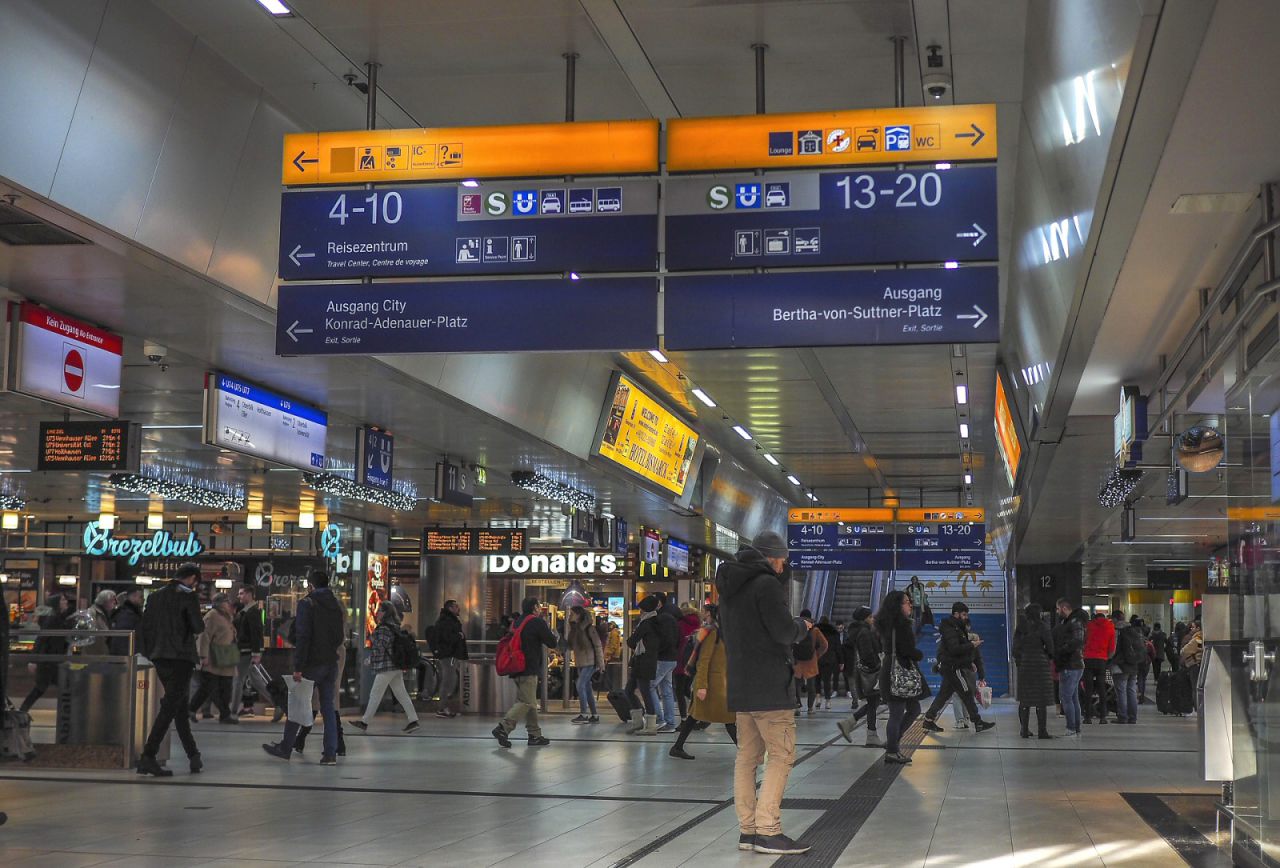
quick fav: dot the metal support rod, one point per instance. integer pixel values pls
(1269, 245)
(760, 48)
(371, 98)
(570, 83)
(899, 70)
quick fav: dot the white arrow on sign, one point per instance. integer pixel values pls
(978, 235)
(293, 331)
(295, 255)
(979, 318)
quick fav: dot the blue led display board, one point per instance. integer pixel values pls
(523, 227)
(832, 218)
(833, 308)
(606, 313)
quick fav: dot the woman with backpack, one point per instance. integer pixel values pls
(808, 652)
(588, 656)
(710, 686)
(862, 660)
(386, 673)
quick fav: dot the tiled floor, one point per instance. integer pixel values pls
(449, 796)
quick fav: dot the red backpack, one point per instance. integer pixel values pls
(510, 658)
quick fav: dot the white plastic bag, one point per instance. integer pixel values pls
(984, 694)
(300, 700)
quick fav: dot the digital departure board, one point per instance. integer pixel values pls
(474, 541)
(89, 446)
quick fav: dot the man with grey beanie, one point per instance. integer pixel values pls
(758, 634)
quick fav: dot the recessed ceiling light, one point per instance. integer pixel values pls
(793, 480)
(703, 397)
(968, 479)
(950, 264)
(275, 7)
(962, 393)
(1213, 203)
(657, 354)
(573, 275)
(771, 459)
(742, 432)
(964, 430)
(471, 182)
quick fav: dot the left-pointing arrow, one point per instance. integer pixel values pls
(298, 161)
(293, 331)
(296, 253)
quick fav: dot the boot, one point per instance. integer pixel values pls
(342, 742)
(301, 741)
(637, 721)
(873, 740)
(1042, 723)
(1024, 719)
(650, 725)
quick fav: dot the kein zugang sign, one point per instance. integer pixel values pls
(98, 541)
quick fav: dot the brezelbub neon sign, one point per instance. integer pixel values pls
(99, 541)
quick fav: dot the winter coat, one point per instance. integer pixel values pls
(955, 651)
(584, 641)
(380, 658)
(52, 644)
(449, 639)
(1192, 651)
(898, 640)
(613, 646)
(712, 676)
(644, 663)
(1099, 639)
(829, 661)
(1159, 642)
(126, 616)
(1068, 641)
(218, 630)
(759, 631)
(809, 668)
(689, 625)
(1131, 649)
(170, 623)
(319, 625)
(249, 632)
(1032, 651)
(862, 658)
(535, 636)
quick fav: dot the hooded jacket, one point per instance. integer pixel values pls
(1068, 641)
(320, 631)
(759, 631)
(955, 650)
(1100, 640)
(449, 638)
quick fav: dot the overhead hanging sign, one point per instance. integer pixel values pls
(64, 361)
(90, 446)
(605, 314)
(929, 134)
(1007, 442)
(522, 227)
(832, 308)
(375, 454)
(642, 435)
(832, 218)
(249, 419)
(444, 153)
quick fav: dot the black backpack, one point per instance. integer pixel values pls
(404, 650)
(804, 648)
(1134, 648)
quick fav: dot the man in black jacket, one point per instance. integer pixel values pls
(1068, 657)
(758, 632)
(535, 634)
(668, 627)
(170, 625)
(450, 648)
(127, 615)
(955, 653)
(249, 639)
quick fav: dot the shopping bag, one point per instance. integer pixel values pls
(300, 700)
(984, 694)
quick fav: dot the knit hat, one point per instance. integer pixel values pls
(650, 603)
(770, 544)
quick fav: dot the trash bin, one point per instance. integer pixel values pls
(484, 691)
(94, 705)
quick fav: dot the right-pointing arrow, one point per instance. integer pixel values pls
(978, 234)
(979, 317)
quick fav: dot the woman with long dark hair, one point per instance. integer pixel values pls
(902, 685)
(1032, 650)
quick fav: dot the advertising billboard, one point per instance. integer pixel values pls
(643, 436)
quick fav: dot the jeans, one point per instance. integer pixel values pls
(449, 680)
(1126, 696)
(662, 685)
(394, 679)
(902, 713)
(762, 733)
(1095, 685)
(953, 685)
(586, 696)
(238, 681)
(175, 677)
(326, 679)
(216, 688)
(526, 707)
(1069, 688)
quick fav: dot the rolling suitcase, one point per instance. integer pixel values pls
(621, 704)
(1164, 687)
(1182, 693)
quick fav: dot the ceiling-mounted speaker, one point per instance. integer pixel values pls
(1200, 449)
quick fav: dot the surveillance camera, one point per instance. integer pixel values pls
(937, 85)
(154, 352)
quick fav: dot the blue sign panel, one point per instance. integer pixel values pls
(606, 314)
(850, 559)
(375, 456)
(838, 537)
(457, 230)
(833, 218)
(941, 560)
(968, 537)
(832, 308)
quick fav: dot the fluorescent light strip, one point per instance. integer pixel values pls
(172, 427)
(275, 7)
(742, 432)
(793, 480)
(964, 430)
(962, 393)
(658, 356)
(771, 459)
(703, 397)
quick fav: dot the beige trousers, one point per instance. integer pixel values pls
(761, 733)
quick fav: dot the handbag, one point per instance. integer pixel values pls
(224, 655)
(905, 682)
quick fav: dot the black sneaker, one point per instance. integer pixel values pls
(899, 758)
(501, 735)
(328, 760)
(982, 725)
(929, 726)
(413, 724)
(149, 765)
(538, 741)
(359, 724)
(277, 750)
(228, 720)
(581, 718)
(746, 842)
(196, 764)
(679, 753)
(779, 845)
(593, 719)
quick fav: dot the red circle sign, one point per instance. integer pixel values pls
(73, 371)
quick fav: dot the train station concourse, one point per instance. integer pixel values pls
(639, 433)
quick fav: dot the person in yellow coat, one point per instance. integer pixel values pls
(710, 686)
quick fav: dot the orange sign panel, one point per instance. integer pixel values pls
(943, 515)
(446, 153)
(927, 134)
(1007, 442)
(827, 516)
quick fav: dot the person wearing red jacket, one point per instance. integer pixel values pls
(1099, 647)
